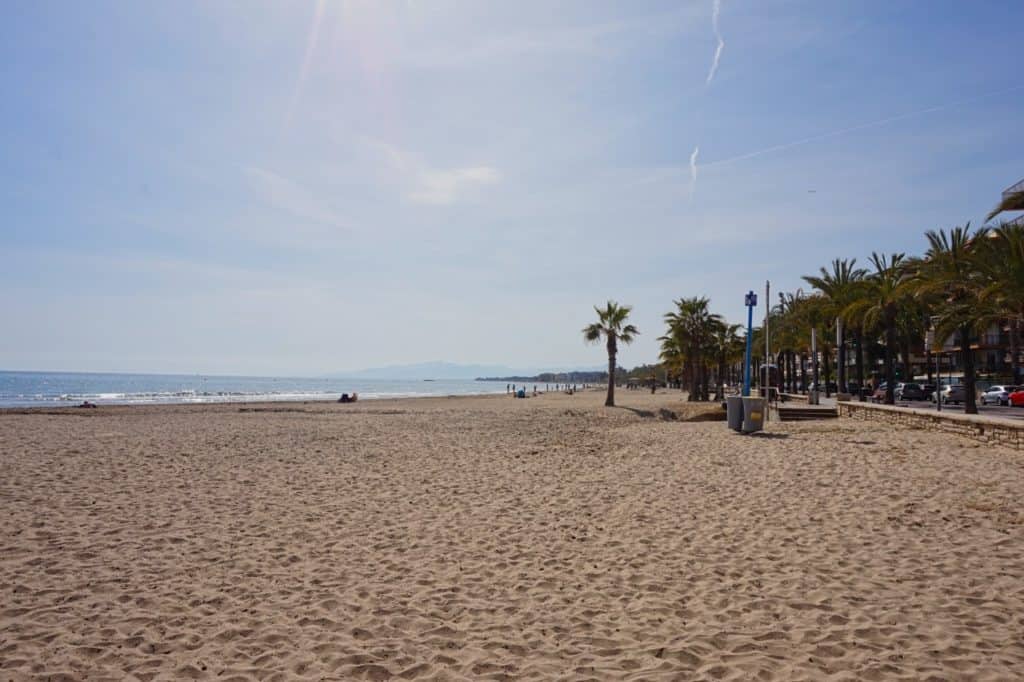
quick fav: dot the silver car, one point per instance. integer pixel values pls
(997, 395)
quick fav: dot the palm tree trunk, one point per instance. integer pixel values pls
(842, 361)
(789, 372)
(803, 372)
(908, 373)
(1015, 349)
(610, 400)
(719, 378)
(858, 339)
(970, 400)
(827, 354)
(890, 368)
(787, 361)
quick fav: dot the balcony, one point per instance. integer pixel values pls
(1013, 189)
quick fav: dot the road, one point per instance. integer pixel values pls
(986, 410)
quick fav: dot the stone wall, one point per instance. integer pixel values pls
(1008, 432)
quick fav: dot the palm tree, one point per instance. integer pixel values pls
(840, 287)
(728, 346)
(691, 327)
(882, 295)
(1000, 259)
(672, 357)
(948, 273)
(611, 324)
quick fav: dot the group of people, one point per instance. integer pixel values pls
(346, 398)
(521, 391)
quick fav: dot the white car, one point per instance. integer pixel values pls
(997, 395)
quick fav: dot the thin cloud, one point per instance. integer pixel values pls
(443, 187)
(693, 169)
(862, 126)
(291, 197)
(715, 11)
(436, 186)
(311, 41)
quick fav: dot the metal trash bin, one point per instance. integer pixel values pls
(734, 412)
(813, 398)
(753, 414)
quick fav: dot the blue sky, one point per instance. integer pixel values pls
(309, 187)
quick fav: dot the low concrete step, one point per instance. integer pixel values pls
(793, 414)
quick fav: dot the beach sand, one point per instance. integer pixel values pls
(493, 538)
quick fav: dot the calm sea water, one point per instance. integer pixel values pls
(28, 389)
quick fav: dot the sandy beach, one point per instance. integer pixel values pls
(493, 538)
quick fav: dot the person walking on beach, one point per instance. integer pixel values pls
(506, 388)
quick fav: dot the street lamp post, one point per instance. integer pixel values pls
(750, 301)
(929, 341)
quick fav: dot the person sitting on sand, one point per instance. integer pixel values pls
(346, 399)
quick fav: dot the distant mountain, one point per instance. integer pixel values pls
(449, 370)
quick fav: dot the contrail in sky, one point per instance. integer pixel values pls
(851, 129)
(314, 33)
(715, 9)
(693, 169)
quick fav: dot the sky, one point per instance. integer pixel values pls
(301, 188)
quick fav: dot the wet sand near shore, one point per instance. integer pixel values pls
(495, 538)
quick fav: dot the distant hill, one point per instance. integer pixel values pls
(446, 370)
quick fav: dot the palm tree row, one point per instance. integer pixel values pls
(965, 282)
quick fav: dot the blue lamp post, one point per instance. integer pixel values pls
(750, 301)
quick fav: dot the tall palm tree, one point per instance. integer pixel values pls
(611, 325)
(692, 326)
(948, 273)
(1000, 259)
(728, 346)
(882, 295)
(840, 287)
(911, 328)
(672, 358)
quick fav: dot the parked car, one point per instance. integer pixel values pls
(997, 395)
(832, 387)
(954, 395)
(879, 395)
(929, 392)
(910, 391)
(1016, 399)
(942, 390)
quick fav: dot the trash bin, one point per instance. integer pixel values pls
(753, 414)
(813, 398)
(734, 412)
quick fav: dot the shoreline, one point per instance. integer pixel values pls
(199, 406)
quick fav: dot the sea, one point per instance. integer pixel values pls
(54, 389)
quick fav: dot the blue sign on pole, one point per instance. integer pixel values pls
(750, 301)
